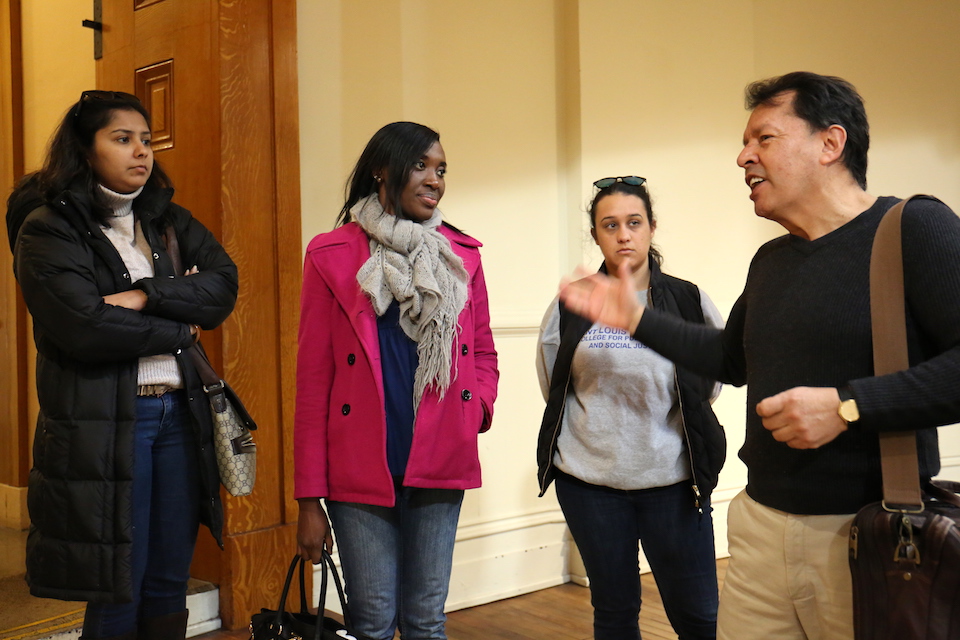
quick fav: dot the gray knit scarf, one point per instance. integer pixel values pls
(413, 263)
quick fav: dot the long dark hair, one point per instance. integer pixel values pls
(639, 191)
(391, 154)
(66, 164)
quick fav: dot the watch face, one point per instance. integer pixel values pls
(848, 410)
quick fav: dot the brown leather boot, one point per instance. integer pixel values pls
(172, 626)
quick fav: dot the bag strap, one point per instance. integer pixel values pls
(944, 491)
(208, 375)
(328, 565)
(898, 450)
(278, 620)
(347, 622)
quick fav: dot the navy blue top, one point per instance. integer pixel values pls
(398, 360)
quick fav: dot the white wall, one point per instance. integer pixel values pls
(535, 100)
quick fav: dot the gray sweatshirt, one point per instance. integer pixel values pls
(621, 425)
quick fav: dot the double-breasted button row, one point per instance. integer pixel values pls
(345, 409)
(466, 395)
(464, 349)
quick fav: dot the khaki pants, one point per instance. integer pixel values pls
(788, 576)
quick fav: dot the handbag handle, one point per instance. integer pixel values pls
(328, 565)
(898, 450)
(278, 620)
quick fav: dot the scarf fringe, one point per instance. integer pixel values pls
(414, 264)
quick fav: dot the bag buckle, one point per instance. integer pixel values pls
(902, 508)
(217, 396)
(906, 550)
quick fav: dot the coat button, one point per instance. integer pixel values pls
(126, 276)
(351, 359)
(345, 410)
(156, 256)
(464, 350)
(466, 395)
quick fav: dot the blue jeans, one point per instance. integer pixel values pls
(677, 542)
(166, 516)
(397, 561)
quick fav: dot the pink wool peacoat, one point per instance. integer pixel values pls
(340, 427)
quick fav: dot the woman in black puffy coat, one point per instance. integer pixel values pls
(123, 462)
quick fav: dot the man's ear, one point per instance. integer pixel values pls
(834, 140)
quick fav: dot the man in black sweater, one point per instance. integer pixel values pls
(799, 337)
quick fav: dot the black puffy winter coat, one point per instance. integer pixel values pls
(79, 493)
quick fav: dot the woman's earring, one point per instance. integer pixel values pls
(378, 179)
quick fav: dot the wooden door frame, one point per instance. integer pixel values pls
(14, 377)
(261, 173)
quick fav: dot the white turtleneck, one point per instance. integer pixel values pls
(125, 233)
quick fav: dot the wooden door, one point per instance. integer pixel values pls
(219, 79)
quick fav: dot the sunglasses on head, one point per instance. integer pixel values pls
(115, 96)
(633, 181)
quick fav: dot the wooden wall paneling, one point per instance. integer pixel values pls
(257, 566)
(287, 149)
(249, 234)
(262, 231)
(14, 428)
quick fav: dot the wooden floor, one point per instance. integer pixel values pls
(558, 613)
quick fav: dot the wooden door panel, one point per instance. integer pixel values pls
(155, 86)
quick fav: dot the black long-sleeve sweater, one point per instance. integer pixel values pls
(804, 320)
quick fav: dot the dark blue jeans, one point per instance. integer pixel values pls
(397, 561)
(677, 542)
(165, 517)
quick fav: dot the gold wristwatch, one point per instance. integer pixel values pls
(848, 406)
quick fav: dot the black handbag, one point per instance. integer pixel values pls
(904, 550)
(280, 624)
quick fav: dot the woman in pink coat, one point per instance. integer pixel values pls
(396, 377)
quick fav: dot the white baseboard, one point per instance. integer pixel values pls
(204, 607)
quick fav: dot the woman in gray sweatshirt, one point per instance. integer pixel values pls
(631, 439)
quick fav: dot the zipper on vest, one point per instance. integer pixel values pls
(697, 498)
